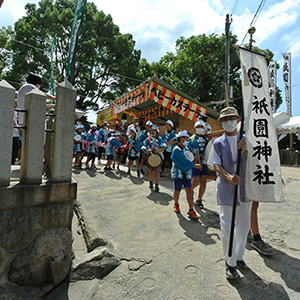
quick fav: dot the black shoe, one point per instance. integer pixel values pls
(150, 185)
(105, 169)
(241, 265)
(142, 172)
(262, 247)
(138, 173)
(128, 172)
(231, 272)
(199, 203)
(156, 188)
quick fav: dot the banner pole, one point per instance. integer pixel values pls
(235, 192)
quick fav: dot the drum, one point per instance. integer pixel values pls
(154, 160)
(189, 155)
(77, 138)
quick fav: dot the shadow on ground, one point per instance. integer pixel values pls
(196, 230)
(251, 286)
(160, 198)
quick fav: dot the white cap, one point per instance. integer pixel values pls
(170, 123)
(154, 127)
(182, 133)
(93, 125)
(79, 126)
(149, 123)
(200, 122)
(133, 129)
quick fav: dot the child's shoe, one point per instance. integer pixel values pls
(192, 214)
(176, 208)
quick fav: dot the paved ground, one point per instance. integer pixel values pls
(169, 256)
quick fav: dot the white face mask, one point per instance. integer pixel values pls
(200, 130)
(229, 125)
(137, 124)
(78, 123)
(185, 142)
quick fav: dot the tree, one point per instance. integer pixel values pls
(104, 55)
(198, 69)
(5, 55)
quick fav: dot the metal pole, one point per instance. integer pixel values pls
(235, 193)
(227, 57)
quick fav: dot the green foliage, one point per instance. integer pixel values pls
(5, 55)
(198, 69)
(102, 51)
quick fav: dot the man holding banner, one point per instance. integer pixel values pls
(223, 156)
(261, 170)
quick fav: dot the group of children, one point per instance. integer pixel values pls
(185, 154)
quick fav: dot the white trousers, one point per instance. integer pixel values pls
(242, 226)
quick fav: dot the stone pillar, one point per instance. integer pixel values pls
(7, 104)
(33, 138)
(61, 166)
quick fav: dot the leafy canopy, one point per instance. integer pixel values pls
(103, 53)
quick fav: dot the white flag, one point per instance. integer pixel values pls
(272, 89)
(286, 72)
(263, 173)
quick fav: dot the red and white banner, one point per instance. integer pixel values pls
(272, 89)
(130, 100)
(153, 113)
(175, 103)
(286, 72)
(263, 173)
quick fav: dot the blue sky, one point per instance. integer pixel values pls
(157, 24)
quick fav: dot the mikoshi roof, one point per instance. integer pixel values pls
(154, 99)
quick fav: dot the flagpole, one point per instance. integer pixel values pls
(251, 31)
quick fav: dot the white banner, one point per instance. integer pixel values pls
(263, 173)
(272, 89)
(286, 72)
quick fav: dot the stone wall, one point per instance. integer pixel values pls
(36, 215)
(35, 233)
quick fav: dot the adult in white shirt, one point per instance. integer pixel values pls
(33, 82)
(223, 156)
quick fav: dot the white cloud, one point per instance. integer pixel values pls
(292, 41)
(270, 21)
(135, 14)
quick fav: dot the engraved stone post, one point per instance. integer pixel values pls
(7, 102)
(33, 138)
(61, 165)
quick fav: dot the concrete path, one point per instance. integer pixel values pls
(168, 256)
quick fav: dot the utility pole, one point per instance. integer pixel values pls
(227, 57)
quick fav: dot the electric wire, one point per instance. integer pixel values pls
(255, 17)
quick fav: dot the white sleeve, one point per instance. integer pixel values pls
(128, 130)
(214, 158)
